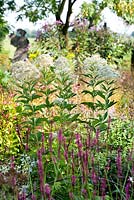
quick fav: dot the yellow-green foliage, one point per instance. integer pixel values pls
(10, 140)
(4, 61)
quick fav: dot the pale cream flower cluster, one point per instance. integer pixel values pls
(44, 61)
(99, 65)
(24, 71)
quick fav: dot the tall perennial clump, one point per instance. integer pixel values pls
(101, 65)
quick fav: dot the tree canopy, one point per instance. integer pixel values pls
(124, 9)
(40, 9)
(5, 5)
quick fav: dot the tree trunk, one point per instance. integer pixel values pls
(64, 28)
(132, 62)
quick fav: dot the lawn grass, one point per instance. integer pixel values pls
(7, 48)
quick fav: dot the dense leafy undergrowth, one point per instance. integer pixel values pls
(61, 137)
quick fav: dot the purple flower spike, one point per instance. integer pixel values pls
(71, 196)
(12, 162)
(40, 171)
(79, 144)
(13, 181)
(65, 150)
(94, 177)
(60, 136)
(127, 190)
(22, 196)
(73, 178)
(50, 142)
(118, 164)
(84, 191)
(26, 147)
(132, 171)
(43, 139)
(60, 139)
(103, 188)
(33, 197)
(47, 191)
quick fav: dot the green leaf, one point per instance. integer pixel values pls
(104, 87)
(39, 107)
(35, 96)
(99, 82)
(74, 117)
(89, 104)
(65, 105)
(23, 101)
(101, 94)
(48, 103)
(48, 91)
(56, 118)
(27, 113)
(111, 103)
(110, 94)
(100, 105)
(39, 120)
(105, 116)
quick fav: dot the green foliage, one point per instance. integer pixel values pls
(36, 10)
(95, 40)
(3, 30)
(124, 9)
(4, 78)
(39, 9)
(100, 42)
(39, 105)
(27, 95)
(10, 136)
(100, 91)
(72, 154)
(92, 11)
(121, 135)
(49, 37)
(6, 5)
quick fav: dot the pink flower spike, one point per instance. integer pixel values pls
(103, 188)
(60, 136)
(94, 177)
(71, 196)
(50, 142)
(47, 191)
(84, 191)
(73, 178)
(119, 163)
(127, 190)
(33, 197)
(12, 162)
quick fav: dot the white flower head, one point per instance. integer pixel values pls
(44, 61)
(60, 101)
(24, 70)
(100, 65)
(62, 66)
